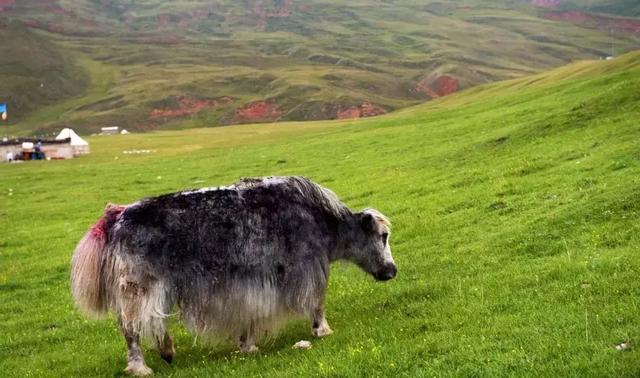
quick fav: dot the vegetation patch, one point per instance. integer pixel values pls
(499, 273)
(602, 22)
(87, 52)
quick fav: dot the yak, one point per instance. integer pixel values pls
(235, 261)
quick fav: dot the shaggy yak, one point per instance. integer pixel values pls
(236, 261)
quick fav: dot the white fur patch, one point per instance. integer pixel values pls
(273, 180)
(205, 190)
(388, 258)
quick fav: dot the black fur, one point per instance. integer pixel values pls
(232, 259)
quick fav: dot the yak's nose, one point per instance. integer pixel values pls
(387, 272)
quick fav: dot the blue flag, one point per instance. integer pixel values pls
(3, 108)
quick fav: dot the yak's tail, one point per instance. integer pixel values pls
(89, 264)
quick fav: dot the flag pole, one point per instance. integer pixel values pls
(5, 118)
(6, 123)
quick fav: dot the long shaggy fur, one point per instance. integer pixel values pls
(91, 256)
(236, 261)
(87, 285)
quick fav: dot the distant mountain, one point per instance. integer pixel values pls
(164, 64)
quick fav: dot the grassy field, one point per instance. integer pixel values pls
(516, 233)
(308, 60)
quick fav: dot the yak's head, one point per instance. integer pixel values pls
(368, 245)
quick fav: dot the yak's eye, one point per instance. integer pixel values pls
(385, 236)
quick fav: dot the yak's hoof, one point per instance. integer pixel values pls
(322, 331)
(167, 357)
(249, 349)
(138, 369)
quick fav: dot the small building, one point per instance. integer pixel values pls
(67, 145)
(111, 130)
(25, 148)
(79, 145)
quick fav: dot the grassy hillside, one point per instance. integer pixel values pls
(516, 231)
(190, 63)
(34, 73)
(627, 8)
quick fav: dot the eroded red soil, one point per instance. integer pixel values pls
(188, 105)
(439, 86)
(258, 111)
(364, 110)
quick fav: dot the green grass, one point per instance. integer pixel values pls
(515, 228)
(311, 60)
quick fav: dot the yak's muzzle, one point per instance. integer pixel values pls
(387, 272)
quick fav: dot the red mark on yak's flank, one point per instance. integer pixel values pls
(438, 87)
(367, 109)
(111, 214)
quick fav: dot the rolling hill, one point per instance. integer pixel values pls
(625, 8)
(34, 73)
(515, 229)
(159, 64)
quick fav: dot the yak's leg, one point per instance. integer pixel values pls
(247, 341)
(315, 307)
(155, 320)
(132, 299)
(319, 325)
(165, 347)
(135, 359)
(163, 341)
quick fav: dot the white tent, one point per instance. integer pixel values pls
(79, 145)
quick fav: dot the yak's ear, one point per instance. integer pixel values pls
(367, 222)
